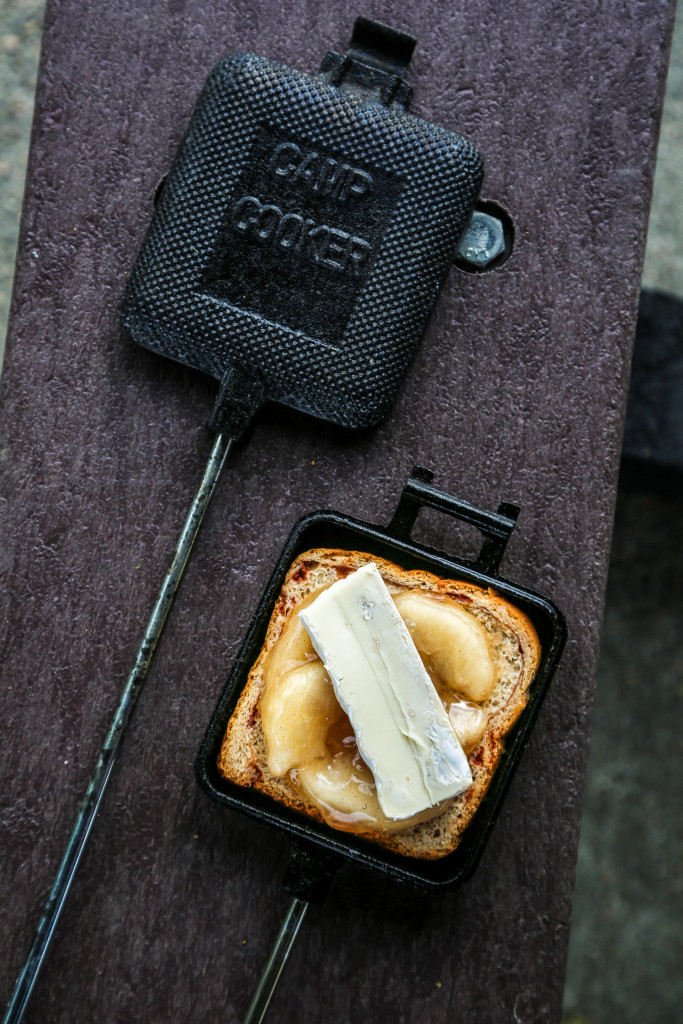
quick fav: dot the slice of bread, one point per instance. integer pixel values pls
(515, 650)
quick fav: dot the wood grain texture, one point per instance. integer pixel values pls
(517, 393)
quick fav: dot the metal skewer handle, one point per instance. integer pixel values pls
(112, 744)
(276, 961)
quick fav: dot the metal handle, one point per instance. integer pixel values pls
(112, 744)
(276, 962)
(496, 526)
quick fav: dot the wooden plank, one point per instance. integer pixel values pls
(517, 393)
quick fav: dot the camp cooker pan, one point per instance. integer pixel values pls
(328, 529)
(317, 850)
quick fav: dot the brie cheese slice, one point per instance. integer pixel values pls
(401, 726)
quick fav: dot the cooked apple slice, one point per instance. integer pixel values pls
(293, 646)
(452, 640)
(342, 787)
(468, 722)
(297, 710)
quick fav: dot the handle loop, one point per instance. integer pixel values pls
(495, 526)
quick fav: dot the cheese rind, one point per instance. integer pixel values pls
(401, 727)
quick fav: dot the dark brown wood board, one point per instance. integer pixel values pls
(517, 394)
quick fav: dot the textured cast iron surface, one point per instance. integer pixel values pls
(302, 236)
(517, 392)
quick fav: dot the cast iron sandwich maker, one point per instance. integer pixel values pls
(317, 849)
(296, 251)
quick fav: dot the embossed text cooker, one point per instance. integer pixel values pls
(303, 233)
(295, 254)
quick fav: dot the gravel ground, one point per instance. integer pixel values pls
(627, 927)
(20, 23)
(626, 946)
(664, 255)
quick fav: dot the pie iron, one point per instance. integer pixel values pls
(319, 849)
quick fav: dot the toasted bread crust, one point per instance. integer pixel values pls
(516, 652)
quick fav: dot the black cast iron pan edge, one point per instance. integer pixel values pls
(318, 849)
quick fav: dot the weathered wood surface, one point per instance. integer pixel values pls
(517, 393)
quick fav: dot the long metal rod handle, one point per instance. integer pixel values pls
(112, 744)
(276, 961)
